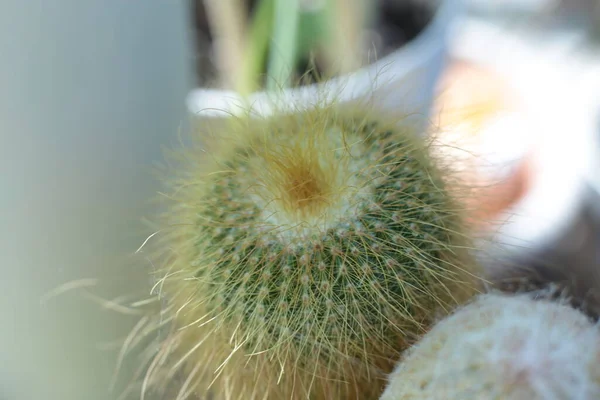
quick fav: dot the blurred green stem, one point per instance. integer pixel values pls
(282, 57)
(282, 32)
(256, 47)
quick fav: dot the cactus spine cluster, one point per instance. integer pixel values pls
(303, 255)
(503, 347)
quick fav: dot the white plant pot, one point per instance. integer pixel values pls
(402, 83)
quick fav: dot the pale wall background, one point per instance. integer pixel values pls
(89, 91)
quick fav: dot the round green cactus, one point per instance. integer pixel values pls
(503, 347)
(304, 254)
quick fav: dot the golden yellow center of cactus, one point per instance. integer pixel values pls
(306, 184)
(304, 187)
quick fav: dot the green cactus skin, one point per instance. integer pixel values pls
(503, 347)
(303, 255)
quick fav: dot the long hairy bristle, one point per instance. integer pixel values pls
(301, 256)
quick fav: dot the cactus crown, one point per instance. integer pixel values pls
(316, 246)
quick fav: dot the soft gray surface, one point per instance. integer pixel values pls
(571, 262)
(90, 90)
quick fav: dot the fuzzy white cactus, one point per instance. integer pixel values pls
(503, 347)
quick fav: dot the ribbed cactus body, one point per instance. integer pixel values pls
(503, 348)
(305, 254)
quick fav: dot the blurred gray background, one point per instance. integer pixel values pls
(89, 91)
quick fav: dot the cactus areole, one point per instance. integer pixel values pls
(306, 251)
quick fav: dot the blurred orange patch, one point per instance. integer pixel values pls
(470, 101)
